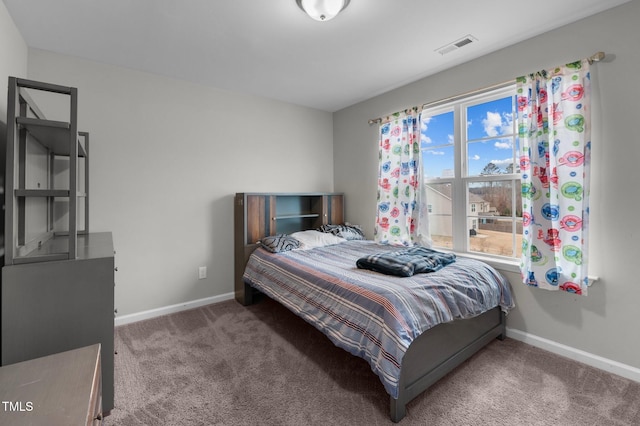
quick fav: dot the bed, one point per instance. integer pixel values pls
(411, 330)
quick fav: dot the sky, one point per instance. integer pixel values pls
(489, 133)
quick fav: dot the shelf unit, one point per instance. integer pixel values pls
(258, 215)
(47, 177)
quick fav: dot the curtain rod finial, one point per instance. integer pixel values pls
(597, 57)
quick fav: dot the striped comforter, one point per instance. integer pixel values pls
(372, 315)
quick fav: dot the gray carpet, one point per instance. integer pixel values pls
(226, 364)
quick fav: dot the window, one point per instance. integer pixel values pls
(472, 179)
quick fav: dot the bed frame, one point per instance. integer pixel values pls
(431, 356)
(439, 350)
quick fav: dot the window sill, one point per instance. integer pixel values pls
(506, 265)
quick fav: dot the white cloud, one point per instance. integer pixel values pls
(503, 162)
(432, 152)
(475, 157)
(503, 144)
(497, 124)
(425, 139)
(424, 124)
(492, 123)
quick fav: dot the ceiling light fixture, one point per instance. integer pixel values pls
(322, 10)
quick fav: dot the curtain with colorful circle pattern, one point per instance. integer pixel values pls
(554, 128)
(402, 217)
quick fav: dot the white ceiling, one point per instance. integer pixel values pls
(270, 48)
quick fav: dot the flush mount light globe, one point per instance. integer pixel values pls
(322, 10)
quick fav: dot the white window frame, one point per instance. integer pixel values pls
(461, 179)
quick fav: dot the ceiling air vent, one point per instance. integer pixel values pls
(468, 39)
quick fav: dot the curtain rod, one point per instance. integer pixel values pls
(596, 57)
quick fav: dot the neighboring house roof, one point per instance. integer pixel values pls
(445, 191)
(475, 198)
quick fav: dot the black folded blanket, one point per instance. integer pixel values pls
(405, 263)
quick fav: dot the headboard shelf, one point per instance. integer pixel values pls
(293, 216)
(258, 215)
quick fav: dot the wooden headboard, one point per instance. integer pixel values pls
(258, 215)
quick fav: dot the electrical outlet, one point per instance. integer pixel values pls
(202, 272)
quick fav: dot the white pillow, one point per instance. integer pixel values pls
(311, 239)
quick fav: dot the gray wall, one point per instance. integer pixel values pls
(167, 157)
(13, 56)
(13, 62)
(603, 323)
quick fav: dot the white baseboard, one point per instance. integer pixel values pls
(165, 310)
(590, 359)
